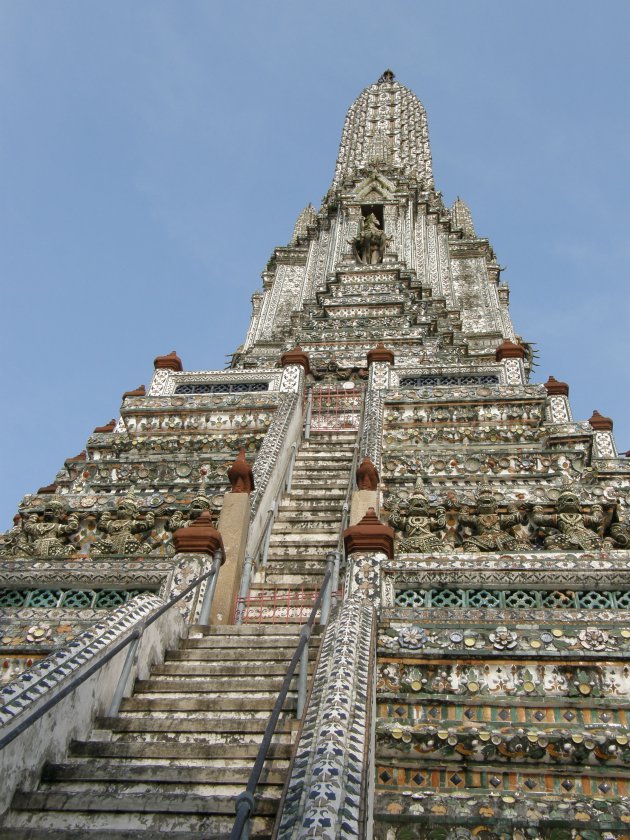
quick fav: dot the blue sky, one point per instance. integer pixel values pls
(153, 153)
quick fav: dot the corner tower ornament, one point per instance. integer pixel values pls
(472, 679)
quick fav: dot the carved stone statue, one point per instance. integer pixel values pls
(48, 533)
(369, 246)
(418, 522)
(184, 519)
(123, 528)
(569, 528)
(492, 531)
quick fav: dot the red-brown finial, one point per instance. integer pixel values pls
(367, 475)
(508, 350)
(369, 536)
(140, 391)
(380, 353)
(240, 475)
(170, 361)
(297, 356)
(201, 537)
(600, 423)
(556, 388)
(108, 427)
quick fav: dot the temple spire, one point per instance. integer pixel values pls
(386, 126)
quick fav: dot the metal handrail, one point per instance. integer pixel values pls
(134, 637)
(245, 802)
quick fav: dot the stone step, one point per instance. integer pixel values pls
(183, 684)
(312, 553)
(333, 493)
(335, 451)
(298, 516)
(239, 630)
(322, 439)
(312, 527)
(192, 738)
(323, 483)
(303, 538)
(219, 669)
(121, 833)
(116, 771)
(253, 704)
(167, 748)
(326, 505)
(283, 645)
(257, 656)
(162, 812)
(287, 580)
(222, 725)
(318, 470)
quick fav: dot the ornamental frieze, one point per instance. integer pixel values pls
(477, 411)
(543, 746)
(417, 681)
(583, 640)
(220, 401)
(497, 464)
(137, 445)
(487, 710)
(128, 525)
(513, 433)
(495, 393)
(424, 803)
(201, 421)
(448, 524)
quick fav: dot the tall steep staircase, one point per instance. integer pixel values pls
(182, 746)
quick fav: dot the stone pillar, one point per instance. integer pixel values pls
(366, 495)
(512, 356)
(380, 362)
(603, 440)
(367, 544)
(195, 547)
(557, 408)
(234, 526)
(296, 367)
(164, 367)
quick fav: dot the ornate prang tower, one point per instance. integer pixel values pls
(472, 680)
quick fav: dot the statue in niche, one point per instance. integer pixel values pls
(417, 522)
(619, 534)
(369, 246)
(123, 528)
(184, 519)
(569, 528)
(47, 533)
(491, 531)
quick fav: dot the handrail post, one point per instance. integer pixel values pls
(242, 594)
(302, 681)
(309, 412)
(287, 485)
(268, 527)
(325, 608)
(211, 585)
(130, 660)
(334, 582)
